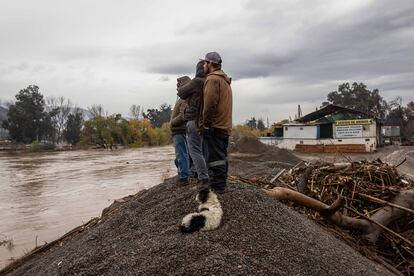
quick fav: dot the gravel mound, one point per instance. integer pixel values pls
(248, 145)
(252, 150)
(258, 236)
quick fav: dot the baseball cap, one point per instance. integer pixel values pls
(213, 57)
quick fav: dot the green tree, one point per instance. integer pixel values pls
(358, 97)
(260, 125)
(158, 117)
(27, 121)
(72, 130)
(408, 131)
(48, 127)
(402, 116)
(103, 131)
(252, 123)
(396, 114)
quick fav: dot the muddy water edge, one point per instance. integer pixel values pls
(45, 195)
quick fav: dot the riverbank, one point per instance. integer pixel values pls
(43, 195)
(49, 147)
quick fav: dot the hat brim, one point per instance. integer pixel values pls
(203, 59)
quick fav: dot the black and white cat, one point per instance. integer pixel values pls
(209, 213)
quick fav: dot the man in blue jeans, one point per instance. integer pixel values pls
(192, 92)
(178, 130)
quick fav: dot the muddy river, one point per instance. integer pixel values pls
(45, 195)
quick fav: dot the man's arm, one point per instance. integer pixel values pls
(211, 98)
(179, 119)
(188, 89)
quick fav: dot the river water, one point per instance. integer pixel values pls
(45, 195)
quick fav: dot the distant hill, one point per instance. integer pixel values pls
(3, 113)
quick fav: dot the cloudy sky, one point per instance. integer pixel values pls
(279, 53)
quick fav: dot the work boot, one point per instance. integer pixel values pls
(182, 182)
(193, 181)
(219, 190)
(203, 183)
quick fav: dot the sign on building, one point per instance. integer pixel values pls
(354, 122)
(349, 131)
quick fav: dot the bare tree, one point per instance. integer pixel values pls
(63, 107)
(136, 111)
(96, 110)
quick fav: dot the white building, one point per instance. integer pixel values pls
(330, 129)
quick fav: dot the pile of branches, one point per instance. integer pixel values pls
(368, 204)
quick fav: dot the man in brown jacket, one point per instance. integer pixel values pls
(178, 130)
(216, 120)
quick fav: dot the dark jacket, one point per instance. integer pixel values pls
(177, 122)
(217, 102)
(192, 93)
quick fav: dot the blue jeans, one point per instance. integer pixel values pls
(182, 160)
(195, 144)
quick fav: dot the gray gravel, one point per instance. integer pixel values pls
(258, 236)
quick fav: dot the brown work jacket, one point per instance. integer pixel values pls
(217, 105)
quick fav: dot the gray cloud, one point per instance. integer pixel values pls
(277, 52)
(165, 79)
(366, 41)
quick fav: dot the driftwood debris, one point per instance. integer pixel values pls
(378, 205)
(330, 212)
(369, 226)
(391, 213)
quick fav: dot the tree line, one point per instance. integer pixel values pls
(32, 118)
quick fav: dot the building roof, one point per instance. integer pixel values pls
(335, 113)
